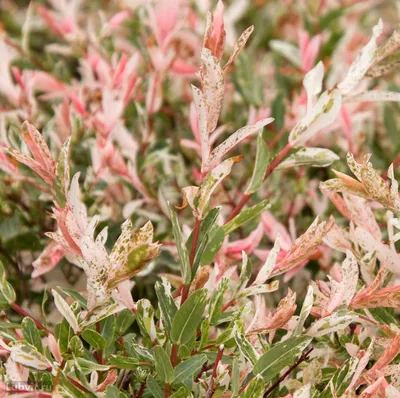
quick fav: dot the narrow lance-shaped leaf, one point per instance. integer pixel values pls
(338, 321)
(210, 183)
(31, 334)
(216, 302)
(181, 247)
(186, 370)
(164, 368)
(188, 317)
(233, 140)
(5, 287)
(245, 273)
(202, 122)
(373, 96)
(213, 87)
(154, 388)
(255, 389)
(322, 114)
(245, 216)
(240, 43)
(279, 356)
(313, 83)
(62, 178)
(269, 264)
(65, 311)
(260, 166)
(305, 310)
(166, 302)
(258, 289)
(145, 318)
(363, 62)
(313, 157)
(244, 345)
(94, 339)
(209, 234)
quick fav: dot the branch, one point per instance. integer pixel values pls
(302, 358)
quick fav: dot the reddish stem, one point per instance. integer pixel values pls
(211, 388)
(174, 354)
(196, 232)
(23, 313)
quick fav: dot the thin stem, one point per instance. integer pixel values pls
(302, 358)
(141, 390)
(77, 385)
(196, 232)
(174, 355)
(23, 313)
(211, 388)
(245, 197)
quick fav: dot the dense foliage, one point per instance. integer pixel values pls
(170, 223)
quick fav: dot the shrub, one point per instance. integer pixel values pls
(164, 240)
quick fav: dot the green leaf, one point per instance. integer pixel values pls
(245, 273)
(31, 334)
(124, 320)
(64, 334)
(145, 318)
(124, 362)
(73, 391)
(216, 239)
(188, 317)
(6, 289)
(163, 365)
(235, 379)
(245, 216)
(186, 370)
(107, 329)
(208, 231)
(138, 351)
(278, 111)
(154, 388)
(85, 364)
(244, 345)
(216, 302)
(279, 356)
(255, 388)
(186, 271)
(181, 393)
(75, 295)
(165, 302)
(205, 330)
(305, 310)
(76, 346)
(260, 166)
(94, 339)
(113, 392)
(246, 81)
(340, 380)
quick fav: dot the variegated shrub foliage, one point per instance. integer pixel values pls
(177, 216)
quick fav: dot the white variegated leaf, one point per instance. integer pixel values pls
(362, 63)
